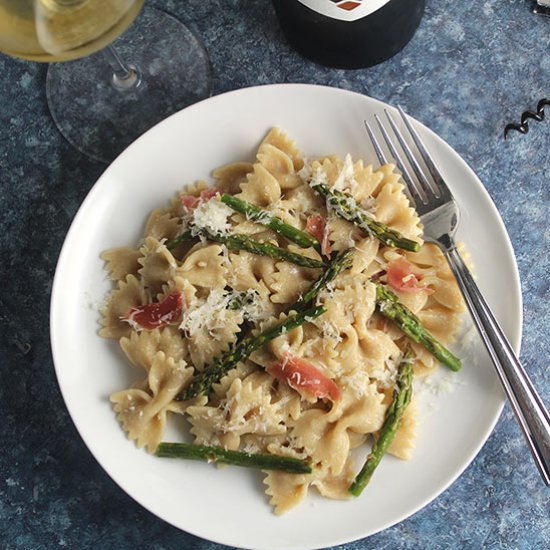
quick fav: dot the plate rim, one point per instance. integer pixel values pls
(515, 338)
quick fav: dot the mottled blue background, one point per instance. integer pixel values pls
(471, 68)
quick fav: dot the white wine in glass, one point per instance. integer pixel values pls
(105, 100)
(59, 30)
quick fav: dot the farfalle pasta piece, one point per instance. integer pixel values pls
(289, 342)
(297, 204)
(230, 176)
(248, 271)
(440, 322)
(336, 486)
(374, 354)
(204, 266)
(350, 352)
(120, 262)
(319, 346)
(286, 491)
(220, 389)
(382, 354)
(142, 347)
(142, 413)
(158, 265)
(287, 401)
(330, 169)
(163, 225)
(367, 181)
(289, 281)
(342, 234)
(279, 139)
(260, 188)
(247, 409)
(324, 434)
(365, 257)
(380, 193)
(404, 440)
(441, 305)
(128, 294)
(280, 165)
(331, 432)
(356, 381)
(180, 284)
(436, 274)
(354, 178)
(278, 347)
(415, 301)
(360, 181)
(392, 206)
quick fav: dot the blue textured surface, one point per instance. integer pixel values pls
(471, 68)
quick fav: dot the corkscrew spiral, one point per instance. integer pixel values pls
(537, 116)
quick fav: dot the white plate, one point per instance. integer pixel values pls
(228, 505)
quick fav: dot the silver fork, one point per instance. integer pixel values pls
(439, 213)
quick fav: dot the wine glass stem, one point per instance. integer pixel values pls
(124, 77)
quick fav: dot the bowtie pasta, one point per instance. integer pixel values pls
(179, 303)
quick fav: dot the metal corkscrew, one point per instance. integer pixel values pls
(523, 127)
(542, 7)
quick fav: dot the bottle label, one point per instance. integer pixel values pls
(344, 10)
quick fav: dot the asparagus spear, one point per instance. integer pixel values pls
(236, 458)
(203, 381)
(256, 214)
(244, 242)
(401, 398)
(345, 206)
(342, 262)
(390, 306)
(185, 236)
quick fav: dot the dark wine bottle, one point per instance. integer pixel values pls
(349, 34)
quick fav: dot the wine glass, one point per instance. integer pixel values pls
(102, 97)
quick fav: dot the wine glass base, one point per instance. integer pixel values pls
(99, 117)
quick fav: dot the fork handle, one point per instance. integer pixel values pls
(527, 405)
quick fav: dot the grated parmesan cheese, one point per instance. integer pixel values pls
(212, 314)
(358, 381)
(255, 309)
(305, 172)
(346, 177)
(212, 215)
(436, 384)
(330, 331)
(314, 177)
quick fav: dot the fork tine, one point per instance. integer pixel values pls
(423, 180)
(380, 152)
(376, 145)
(438, 186)
(414, 190)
